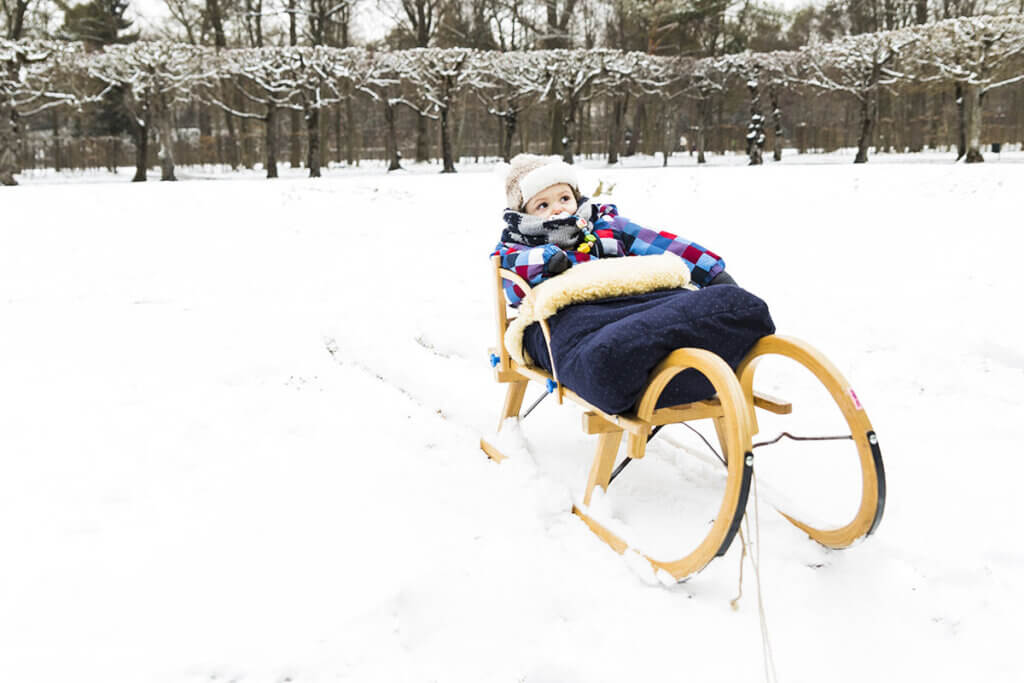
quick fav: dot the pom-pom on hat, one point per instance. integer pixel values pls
(528, 174)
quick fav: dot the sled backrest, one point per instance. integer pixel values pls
(501, 308)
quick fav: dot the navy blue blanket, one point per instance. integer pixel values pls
(607, 349)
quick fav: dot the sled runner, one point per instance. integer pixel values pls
(730, 402)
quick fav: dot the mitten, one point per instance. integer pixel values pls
(558, 262)
(723, 278)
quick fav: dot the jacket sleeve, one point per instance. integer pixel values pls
(528, 263)
(703, 263)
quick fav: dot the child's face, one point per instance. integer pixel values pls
(555, 199)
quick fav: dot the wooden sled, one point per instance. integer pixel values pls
(732, 410)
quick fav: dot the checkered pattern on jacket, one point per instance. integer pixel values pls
(616, 236)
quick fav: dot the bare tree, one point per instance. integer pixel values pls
(390, 69)
(440, 76)
(627, 75)
(29, 84)
(860, 66)
(746, 66)
(707, 80)
(974, 53)
(416, 23)
(154, 77)
(13, 13)
(516, 79)
(569, 75)
(550, 21)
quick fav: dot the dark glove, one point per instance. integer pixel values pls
(722, 278)
(558, 263)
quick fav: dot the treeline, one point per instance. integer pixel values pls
(900, 89)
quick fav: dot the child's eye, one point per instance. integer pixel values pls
(542, 206)
(565, 198)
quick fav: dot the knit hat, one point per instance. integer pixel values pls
(528, 174)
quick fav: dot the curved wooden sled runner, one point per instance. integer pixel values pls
(733, 411)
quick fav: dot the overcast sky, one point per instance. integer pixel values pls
(370, 20)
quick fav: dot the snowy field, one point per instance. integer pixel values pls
(239, 424)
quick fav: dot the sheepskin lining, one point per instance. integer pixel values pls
(592, 281)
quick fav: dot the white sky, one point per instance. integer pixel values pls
(370, 22)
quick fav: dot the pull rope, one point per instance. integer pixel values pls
(787, 435)
(706, 442)
(768, 656)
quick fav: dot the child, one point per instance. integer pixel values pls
(550, 227)
(607, 345)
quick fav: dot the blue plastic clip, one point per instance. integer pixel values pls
(494, 361)
(551, 385)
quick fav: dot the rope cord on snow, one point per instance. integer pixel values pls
(770, 674)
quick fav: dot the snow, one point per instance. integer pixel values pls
(239, 425)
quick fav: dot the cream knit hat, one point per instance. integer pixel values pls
(528, 174)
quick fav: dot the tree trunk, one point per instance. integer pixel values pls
(557, 124)
(619, 107)
(936, 120)
(232, 148)
(324, 139)
(446, 143)
(113, 152)
(244, 142)
(350, 132)
(650, 132)
(638, 121)
(510, 120)
(8, 145)
(883, 143)
(271, 140)
(961, 143)
(459, 126)
(569, 131)
(313, 142)
(668, 136)
(338, 135)
(868, 110)
(295, 148)
(703, 112)
(773, 94)
(164, 132)
(972, 98)
(719, 129)
(213, 12)
(917, 109)
(755, 128)
(18, 20)
(141, 151)
(58, 161)
(205, 133)
(391, 141)
(422, 144)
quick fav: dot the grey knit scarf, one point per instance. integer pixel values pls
(564, 232)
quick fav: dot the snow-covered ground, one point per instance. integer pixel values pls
(239, 424)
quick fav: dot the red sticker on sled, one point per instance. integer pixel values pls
(856, 401)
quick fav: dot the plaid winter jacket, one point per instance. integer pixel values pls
(607, 235)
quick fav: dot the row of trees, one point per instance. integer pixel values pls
(151, 82)
(697, 28)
